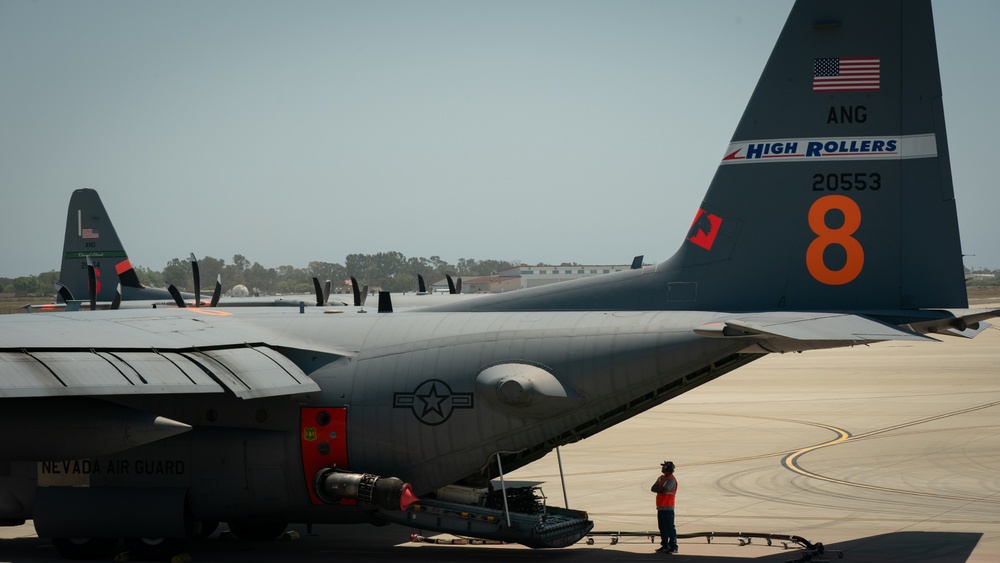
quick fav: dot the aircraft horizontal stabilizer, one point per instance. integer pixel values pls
(966, 323)
(792, 332)
(969, 332)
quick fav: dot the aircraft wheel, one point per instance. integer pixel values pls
(156, 549)
(256, 531)
(85, 548)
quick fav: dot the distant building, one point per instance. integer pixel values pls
(533, 276)
(521, 277)
(491, 284)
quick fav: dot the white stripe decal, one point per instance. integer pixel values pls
(833, 148)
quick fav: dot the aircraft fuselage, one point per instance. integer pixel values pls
(431, 410)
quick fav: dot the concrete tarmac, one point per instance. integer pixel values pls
(882, 453)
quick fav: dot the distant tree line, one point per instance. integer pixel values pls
(386, 270)
(391, 271)
(974, 280)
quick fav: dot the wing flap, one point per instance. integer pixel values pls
(255, 371)
(57, 373)
(168, 370)
(247, 371)
(23, 375)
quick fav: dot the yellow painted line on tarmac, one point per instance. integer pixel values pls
(797, 517)
(791, 461)
(791, 457)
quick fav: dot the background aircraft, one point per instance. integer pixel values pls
(95, 268)
(819, 230)
(94, 257)
(91, 239)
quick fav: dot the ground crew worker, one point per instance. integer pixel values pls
(665, 488)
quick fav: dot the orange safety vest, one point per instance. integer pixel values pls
(669, 483)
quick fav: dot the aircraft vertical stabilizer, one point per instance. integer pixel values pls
(835, 193)
(89, 233)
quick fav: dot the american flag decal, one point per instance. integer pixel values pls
(90, 233)
(846, 74)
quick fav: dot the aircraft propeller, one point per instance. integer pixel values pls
(217, 293)
(178, 298)
(196, 277)
(117, 301)
(64, 292)
(360, 295)
(196, 274)
(453, 286)
(320, 300)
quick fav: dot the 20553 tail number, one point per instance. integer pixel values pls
(847, 181)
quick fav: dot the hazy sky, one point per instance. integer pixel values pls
(295, 131)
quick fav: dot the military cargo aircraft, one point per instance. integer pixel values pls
(96, 269)
(830, 222)
(94, 262)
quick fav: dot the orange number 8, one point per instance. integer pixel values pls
(826, 236)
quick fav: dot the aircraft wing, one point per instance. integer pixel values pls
(795, 332)
(166, 355)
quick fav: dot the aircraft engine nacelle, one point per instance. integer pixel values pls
(333, 485)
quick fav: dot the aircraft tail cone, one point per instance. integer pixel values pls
(406, 497)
